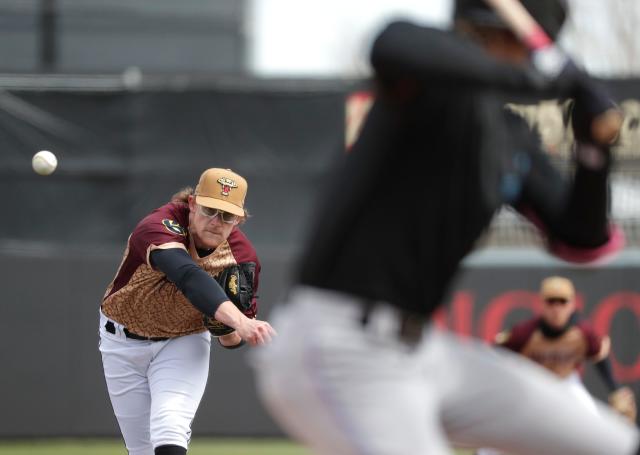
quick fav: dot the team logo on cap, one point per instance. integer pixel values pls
(227, 184)
(174, 227)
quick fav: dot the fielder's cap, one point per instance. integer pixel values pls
(550, 14)
(222, 189)
(557, 287)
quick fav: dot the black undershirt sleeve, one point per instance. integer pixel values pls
(198, 286)
(606, 372)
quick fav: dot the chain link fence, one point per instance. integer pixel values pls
(551, 120)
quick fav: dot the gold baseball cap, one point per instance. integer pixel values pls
(557, 287)
(222, 189)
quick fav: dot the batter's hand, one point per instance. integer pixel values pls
(256, 332)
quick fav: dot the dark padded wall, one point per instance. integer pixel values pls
(121, 155)
(53, 384)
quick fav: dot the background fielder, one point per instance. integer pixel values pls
(559, 340)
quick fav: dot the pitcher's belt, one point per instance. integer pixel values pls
(110, 327)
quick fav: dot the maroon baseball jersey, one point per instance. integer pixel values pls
(144, 300)
(563, 354)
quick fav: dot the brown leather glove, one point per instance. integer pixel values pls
(238, 283)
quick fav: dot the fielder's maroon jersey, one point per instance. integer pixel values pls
(144, 300)
(562, 354)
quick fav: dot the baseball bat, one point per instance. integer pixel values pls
(606, 126)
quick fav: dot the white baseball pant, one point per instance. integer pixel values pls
(344, 388)
(155, 386)
(576, 387)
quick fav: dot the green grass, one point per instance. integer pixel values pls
(202, 446)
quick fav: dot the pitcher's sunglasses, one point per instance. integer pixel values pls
(556, 301)
(226, 217)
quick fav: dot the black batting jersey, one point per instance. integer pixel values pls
(435, 159)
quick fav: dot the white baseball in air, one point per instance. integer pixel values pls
(44, 162)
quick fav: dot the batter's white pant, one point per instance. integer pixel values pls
(575, 387)
(344, 388)
(155, 386)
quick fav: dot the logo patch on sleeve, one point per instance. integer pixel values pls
(174, 227)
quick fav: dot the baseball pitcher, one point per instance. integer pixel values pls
(188, 273)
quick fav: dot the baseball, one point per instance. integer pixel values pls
(44, 162)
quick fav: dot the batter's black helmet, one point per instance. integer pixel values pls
(550, 14)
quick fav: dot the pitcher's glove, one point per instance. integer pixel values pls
(237, 282)
(624, 402)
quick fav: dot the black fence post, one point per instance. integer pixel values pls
(48, 35)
